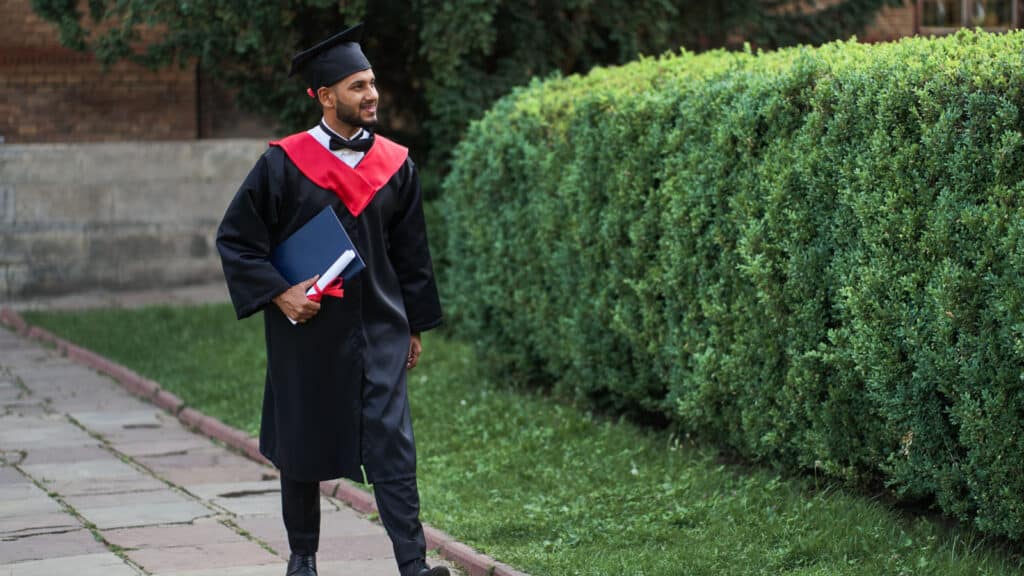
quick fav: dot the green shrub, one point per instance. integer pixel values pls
(813, 257)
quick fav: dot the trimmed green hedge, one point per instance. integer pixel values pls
(811, 256)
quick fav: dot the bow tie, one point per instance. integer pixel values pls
(360, 145)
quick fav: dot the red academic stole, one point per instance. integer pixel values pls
(355, 186)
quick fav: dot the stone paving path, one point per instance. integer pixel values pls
(94, 481)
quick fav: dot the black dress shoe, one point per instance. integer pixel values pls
(435, 571)
(300, 565)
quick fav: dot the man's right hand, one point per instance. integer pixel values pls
(295, 305)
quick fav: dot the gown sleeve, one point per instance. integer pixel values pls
(410, 256)
(243, 240)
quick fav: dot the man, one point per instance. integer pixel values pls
(335, 400)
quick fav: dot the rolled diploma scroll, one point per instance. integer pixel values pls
(332, 272)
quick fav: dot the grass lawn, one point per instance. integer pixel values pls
(553, 490)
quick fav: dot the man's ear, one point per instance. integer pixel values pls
(325, 96)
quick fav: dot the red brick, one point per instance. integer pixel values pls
(14, 320)
(216, 429)
(36, 68)
(42, 335)
(252, 450)
(191, 418)
(359, 499)
(471, 561)
(168, 401)
(436, 539)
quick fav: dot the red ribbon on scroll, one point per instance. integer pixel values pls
(332, 289)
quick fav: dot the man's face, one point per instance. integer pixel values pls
(356, 99)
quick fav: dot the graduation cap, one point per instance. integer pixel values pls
(331, 60)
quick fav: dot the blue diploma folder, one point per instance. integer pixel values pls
(312, 249)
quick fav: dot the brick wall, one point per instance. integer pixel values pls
(52, 94)
(892, 23)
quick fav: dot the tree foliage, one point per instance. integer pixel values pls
(440, 63)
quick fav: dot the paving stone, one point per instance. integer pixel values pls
(144, 498)
(84, 389)
(20, 526)
(137, 435)
(359, 567)
(24, 354)
(176, 444)
(12, 399)
(92, 402)
(80, 387)
(103, 564)
(59, 374)
(248, 570)
(208, 465)
(103, 468)
(11, 340)
(209, 455)
(27, 409)
(149, 515)
(267, 528)
(10, 475)
(76, 389)
(363, 546)
(41, 546)
(347, 522)
(360, 547)
(202, 557)
(147, 508)
(379, 567)
(20, 355)
(104, 422)
(24, 432)
(25, 499)
(116, 485)
(218, 475)
(235, 489)
(246, 498)
(11, 393)
(49, 368)
(344, 535)
(92, 477)
(66, 454)
(200, 532)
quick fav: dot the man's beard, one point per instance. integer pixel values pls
(354, 118)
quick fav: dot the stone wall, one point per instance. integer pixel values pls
(126, 215)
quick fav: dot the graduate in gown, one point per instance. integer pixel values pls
(335, 402)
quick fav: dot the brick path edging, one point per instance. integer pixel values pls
(473, 562)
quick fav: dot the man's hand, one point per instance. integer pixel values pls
(295, 305)
(415, 348)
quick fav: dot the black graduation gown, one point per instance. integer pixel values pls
(335, 393)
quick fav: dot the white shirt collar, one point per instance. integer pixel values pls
(330, 132)
(323, 137)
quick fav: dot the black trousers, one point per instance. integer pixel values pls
(398, 502)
